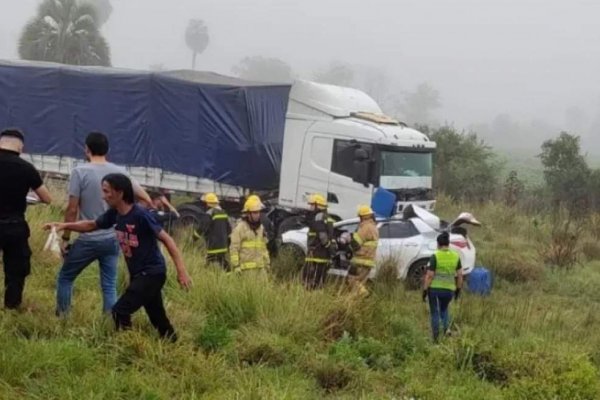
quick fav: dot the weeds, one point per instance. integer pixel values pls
(250, 337)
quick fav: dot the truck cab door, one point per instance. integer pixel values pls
(314, 168)
(349, 179)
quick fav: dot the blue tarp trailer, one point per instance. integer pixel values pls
(198, 124)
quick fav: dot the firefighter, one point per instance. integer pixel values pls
(320, 243)
(248, 249)
(364, 245)
(216, 231)
(268, 227)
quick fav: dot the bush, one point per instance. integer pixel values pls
(591, 250)
(559, 243)
(214, 336)
(512, 266)
(261, 347)
(555, 374)
(332, 376)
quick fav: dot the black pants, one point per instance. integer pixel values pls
(314, 274)
(220, 259)
(144, 291)
(16, 256)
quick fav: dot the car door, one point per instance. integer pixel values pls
(403, 243)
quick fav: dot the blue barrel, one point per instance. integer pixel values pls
(479, 281)
(383, 203)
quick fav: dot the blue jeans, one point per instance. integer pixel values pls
(439, 300)
(82, 254)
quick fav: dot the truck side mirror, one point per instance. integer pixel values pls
(361, 166)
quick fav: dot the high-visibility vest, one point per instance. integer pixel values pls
(446, 262)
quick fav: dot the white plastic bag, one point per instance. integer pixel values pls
(53, 243)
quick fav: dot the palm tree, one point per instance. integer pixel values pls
(64, 31)
(103, 10)
(196, 37)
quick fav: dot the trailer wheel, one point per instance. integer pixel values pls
(189, 215)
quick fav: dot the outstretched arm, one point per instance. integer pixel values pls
(80, 227)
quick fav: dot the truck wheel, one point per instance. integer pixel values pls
(416, 274)
(290, 223)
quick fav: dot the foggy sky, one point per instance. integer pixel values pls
(531, 59)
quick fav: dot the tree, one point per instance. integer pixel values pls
(65, 32)
(196, 38)
(258, 68)
(513, 189)
(419, 104)
(464, 166)
(103, 9)
(566, 172)
(337, 73)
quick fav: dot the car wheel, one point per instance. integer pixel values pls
(416, 273)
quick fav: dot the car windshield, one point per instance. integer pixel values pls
(407, 164)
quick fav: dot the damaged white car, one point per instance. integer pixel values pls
(407, 240)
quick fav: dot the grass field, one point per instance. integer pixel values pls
(536, 337)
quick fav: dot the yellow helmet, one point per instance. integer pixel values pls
(364, 211)
(253, 204)
(210, 198)
(254, 197)
(318, 200)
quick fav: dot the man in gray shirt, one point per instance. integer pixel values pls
(86, 203)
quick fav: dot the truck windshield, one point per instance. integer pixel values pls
(406, 164)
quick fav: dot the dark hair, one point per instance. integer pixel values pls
(97, 142)
(154, 194)
(121, 183)
(13, 132)
(443, 239)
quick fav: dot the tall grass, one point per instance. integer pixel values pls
(253, 337)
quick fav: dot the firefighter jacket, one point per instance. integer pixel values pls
(248, 249)
(364, 244)
(320, 241)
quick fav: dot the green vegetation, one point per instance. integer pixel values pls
(535, 337)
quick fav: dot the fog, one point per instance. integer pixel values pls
(528, 64)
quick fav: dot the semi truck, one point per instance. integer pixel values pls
(197, 132)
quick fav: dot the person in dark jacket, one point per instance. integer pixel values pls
(17, 178)
(162, 209)
(320, 243)
(216, 230)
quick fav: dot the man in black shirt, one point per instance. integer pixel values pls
(17, 177)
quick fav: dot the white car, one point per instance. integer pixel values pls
(407, 240)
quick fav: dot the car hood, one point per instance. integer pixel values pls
(434, 221)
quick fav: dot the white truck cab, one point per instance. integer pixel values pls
(337, 142)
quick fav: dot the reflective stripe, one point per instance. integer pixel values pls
(365, 262)
(329, 219)
(250, 265)
(317, 260)
(253, 244)
(371, 243)
(219, 216)
(357, 238)
(312, 234)
(235, 259)
(197, 235)
(217, 251)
